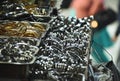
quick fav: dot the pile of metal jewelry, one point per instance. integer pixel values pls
(16, 50)
(64, 51)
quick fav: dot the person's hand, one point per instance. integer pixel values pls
(96, 6)
(114, 39)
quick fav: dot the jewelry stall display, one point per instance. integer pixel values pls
(54, 48)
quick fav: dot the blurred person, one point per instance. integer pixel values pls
(101, 38)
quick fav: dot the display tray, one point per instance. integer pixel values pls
(20, 40)
(16, 50)
(23, 28)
